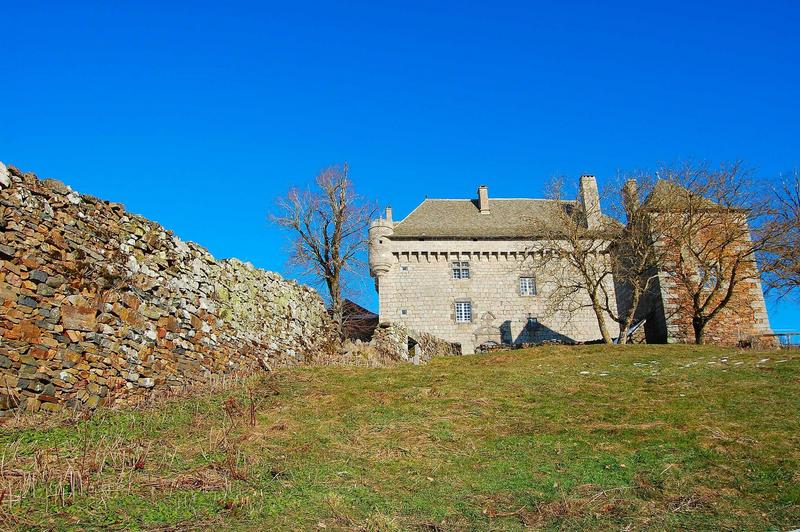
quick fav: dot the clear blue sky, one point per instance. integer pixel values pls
(198, 114)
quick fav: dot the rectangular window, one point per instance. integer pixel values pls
(461, 270)
(403, 312)
(404, 268)
(463, 312)
(527, 286)
(709, 275)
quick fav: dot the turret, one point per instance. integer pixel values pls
(380, 255)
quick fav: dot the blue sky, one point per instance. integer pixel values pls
(199, 114)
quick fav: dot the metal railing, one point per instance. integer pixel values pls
(788, 339)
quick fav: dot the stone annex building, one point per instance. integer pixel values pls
(469, 272)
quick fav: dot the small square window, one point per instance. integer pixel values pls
(403, 312)
(404, 268)
(710, 276)
(463, 312)
(527, 286)
(461, 270)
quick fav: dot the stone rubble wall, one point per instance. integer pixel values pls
(100, 306)
(392, 339)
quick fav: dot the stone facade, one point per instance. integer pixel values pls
(413, 262)
(743, 320)
(417, 288)
(100, 306)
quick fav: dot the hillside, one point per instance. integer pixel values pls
(642, 437)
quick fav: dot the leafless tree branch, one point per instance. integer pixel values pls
(328, 227)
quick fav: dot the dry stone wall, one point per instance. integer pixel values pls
(100, 306)
(402, 344)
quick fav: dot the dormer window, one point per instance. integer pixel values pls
(461, 270)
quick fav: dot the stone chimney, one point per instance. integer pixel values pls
(590, 198)
(483, 199)
(630, 197)
(389, 213)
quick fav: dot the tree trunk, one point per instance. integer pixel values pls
(601, 322)
(699, 325)
(623, 333)
(337, 306)
(630, 314)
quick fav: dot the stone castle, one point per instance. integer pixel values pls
(470, 271)
(99, 306)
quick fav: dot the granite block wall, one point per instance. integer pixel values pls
(418, 290)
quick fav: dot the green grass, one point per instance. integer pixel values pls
(646, 437)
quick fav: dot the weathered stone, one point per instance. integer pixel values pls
(28, 301)
(8, 402)
(5, 179)
(78, 318)
(52, 407)
(74, 336)
(150, 311)
(45, 290)
(55, 281)
(7, 252)
(37, 276)
(8, 292)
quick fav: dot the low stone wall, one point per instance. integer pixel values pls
(392, 339)
(100, 306)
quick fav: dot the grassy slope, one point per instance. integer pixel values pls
(649, 436)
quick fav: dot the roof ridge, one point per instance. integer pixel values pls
(494, 199)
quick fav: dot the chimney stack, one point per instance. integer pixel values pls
(483, 199)
(630, 197)
(389, 213)
(590, 198)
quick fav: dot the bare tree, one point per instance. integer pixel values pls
(634, 258)
(782, 257)
(329, 231)
(705, 244)
(576, 241)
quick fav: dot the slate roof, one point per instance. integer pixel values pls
(461, 218)
(669, 196)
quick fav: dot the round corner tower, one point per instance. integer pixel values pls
(380, 255)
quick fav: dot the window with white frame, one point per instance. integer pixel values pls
(461, 270)
(463, 311)
(527, 286)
